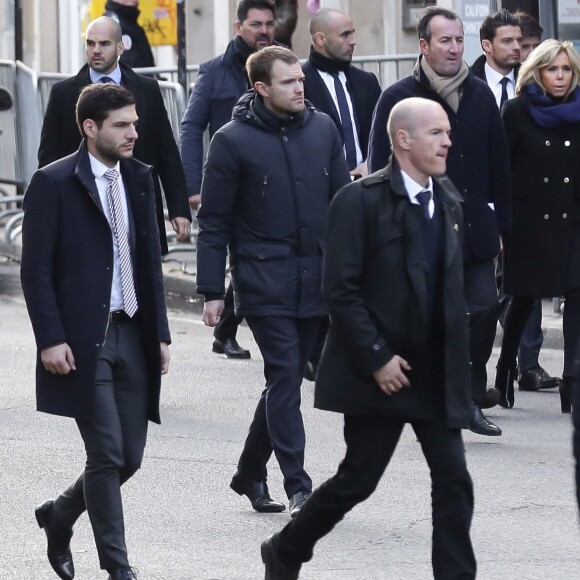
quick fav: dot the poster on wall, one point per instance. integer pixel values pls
(472, 13)
(158, 18)
(569, 11)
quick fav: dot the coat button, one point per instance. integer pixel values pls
(104, 306)
(566, 180)
(142, 194)
(547, 143)
(261, 256)
(298, 181)
(546, 216)
(376, 347)
(564, 215)
(97, 345)
(285, 139)
(546, 180)
(567, 143)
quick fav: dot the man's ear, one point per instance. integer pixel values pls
(90, 127)
(486, 46)
(261, 88)
(403, 139)
(423, 46)
(318, 39)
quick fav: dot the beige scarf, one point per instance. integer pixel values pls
(448, 88)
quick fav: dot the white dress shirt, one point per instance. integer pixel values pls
(329, 82)
(413, 189)
(494, 82)
(115, 75)
(99, 170)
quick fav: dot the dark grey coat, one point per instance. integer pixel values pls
(376, 287)
(67, 270)
(542, 250)
(266, 195)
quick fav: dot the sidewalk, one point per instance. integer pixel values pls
(179, 276)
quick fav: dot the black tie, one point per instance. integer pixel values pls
(346, 121)
(504, 95)
(424, 197)
(106, 80)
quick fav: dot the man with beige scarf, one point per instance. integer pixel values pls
(478, 166)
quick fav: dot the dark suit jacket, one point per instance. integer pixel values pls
(155, 146)
(478, 69)
(376, 288)
(66, 273)
(364, 90)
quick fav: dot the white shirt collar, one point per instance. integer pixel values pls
(99, 169)
(114, 75)
(494, 77)
(413, 188)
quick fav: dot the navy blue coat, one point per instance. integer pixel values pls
(266, 195)
(155, 146)
(219, 85)
(478, 161)
(67, 270)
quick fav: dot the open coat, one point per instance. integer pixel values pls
(67, 270)
(156, 145)
(376, 288)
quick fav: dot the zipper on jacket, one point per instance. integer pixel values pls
(264, 184)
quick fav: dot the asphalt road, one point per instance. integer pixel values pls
(184, 523)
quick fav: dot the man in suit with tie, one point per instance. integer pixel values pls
(339, 89)
(397, 349)
(92, 281)
(60, 135)
(500, 38)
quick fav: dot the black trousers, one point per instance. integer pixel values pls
(370, 444)
(481, 298)
(114, 442)
(515, 320)
(285, 344)
(532, 340)
(227, 327)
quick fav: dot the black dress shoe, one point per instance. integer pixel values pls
(480, 424)
(125, 573)
(275, 568)
(230, 348)
(257, 493)
(490, 399)
(297, 501)
(536, 379)
(58, 551)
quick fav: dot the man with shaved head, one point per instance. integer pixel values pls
(397, 350)
(339, 89)
(156, 145)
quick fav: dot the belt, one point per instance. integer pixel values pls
(120, 317)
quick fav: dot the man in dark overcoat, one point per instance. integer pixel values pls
(156, 146)
(478, 165)
(397, 348)
(92, 281)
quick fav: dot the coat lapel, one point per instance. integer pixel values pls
(84, 173)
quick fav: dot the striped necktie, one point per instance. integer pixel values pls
(122, 240)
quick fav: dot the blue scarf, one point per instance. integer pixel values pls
(549, 112)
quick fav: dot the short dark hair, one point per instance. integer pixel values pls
(246, 5)
(492, 22)
(259, 64)
(98, 100)
(529, 25)
(425, 17)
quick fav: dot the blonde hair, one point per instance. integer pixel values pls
(541, 57)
